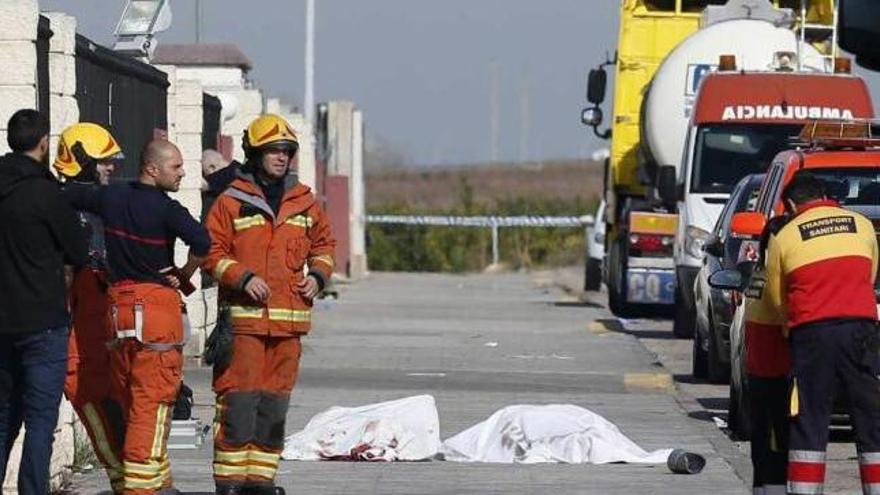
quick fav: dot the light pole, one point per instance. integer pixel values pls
(309, 98)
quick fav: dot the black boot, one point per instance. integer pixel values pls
(230, 489)
(265, 490)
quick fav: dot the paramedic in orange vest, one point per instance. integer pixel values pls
(821, 269)
(87, 154)
(768, 363)
(145, 311)
(272, 253)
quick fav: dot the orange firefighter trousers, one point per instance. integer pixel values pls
(88, 365)
(146, 377)
(253, 393)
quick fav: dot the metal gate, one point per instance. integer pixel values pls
(127, 96)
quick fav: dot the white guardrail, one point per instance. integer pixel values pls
(492, 222)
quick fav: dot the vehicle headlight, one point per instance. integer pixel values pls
(694, 241)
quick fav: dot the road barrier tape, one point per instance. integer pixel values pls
(483, 221)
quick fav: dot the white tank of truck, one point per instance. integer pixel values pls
(668, 104)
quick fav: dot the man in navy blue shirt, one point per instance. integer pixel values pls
(141, 224)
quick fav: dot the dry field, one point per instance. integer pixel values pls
(439, 188)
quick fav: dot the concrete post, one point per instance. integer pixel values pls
(62, 77)
(357, 218)
(495, 255)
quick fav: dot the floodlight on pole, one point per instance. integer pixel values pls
(139, 23)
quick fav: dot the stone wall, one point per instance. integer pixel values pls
(18, 60)
(185, 115)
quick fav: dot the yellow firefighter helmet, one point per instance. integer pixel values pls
(269, 131)
(84, 145)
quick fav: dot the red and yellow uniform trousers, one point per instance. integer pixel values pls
(87, 387)
(249, 239)
(768, 363)
(147, 367)
(821, 270)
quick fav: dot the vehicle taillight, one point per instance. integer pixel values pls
(650, 243)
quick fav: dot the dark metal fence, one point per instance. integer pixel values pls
(43, 35)
(127, 96)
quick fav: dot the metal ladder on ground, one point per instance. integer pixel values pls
(805, 28)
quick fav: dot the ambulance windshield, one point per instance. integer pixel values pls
(725, 153)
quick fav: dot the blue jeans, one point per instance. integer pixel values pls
(33, 367)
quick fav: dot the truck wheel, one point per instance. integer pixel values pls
(685, 317)
(698, 358)
(718, 372)
(617, 284)
(593, 275)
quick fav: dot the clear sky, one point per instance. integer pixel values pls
(421, 70)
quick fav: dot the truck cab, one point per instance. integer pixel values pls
(740, 121)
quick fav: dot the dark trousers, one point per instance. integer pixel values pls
(831, 357)
(770, 424)
(32, 371)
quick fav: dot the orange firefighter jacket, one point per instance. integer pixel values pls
(247, 240)
(822, 265)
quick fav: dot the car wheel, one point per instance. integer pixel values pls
(698, 359)
(593, 275)
(685, 317)
(718, 372)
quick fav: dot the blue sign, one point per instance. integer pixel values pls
(647, 286)
(695, 75)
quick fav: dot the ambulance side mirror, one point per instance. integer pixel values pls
(748, 224)
(727, 280)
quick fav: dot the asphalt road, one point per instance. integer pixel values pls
(479, 343)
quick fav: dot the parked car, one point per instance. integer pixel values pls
(715, 307)
(593, 275)
(851, 170)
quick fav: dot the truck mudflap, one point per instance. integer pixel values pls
(650, 286)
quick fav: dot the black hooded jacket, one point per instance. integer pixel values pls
(39, 233)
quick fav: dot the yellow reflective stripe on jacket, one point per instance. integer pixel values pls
(325, 259)
(300, 221)
(222, 266)
(245, 312)
(290, 315)
(247, 222)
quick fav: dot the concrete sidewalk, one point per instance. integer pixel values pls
(385, 334)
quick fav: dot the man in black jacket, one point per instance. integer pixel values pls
(39, 235)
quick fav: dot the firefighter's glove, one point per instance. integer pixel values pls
(218, 347)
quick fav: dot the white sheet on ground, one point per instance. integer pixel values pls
(400, 430)
(559, 433)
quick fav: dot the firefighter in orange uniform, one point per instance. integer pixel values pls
(86, 155)
(821, 269)
(145, 310)
(768, 363)
(263, 237)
